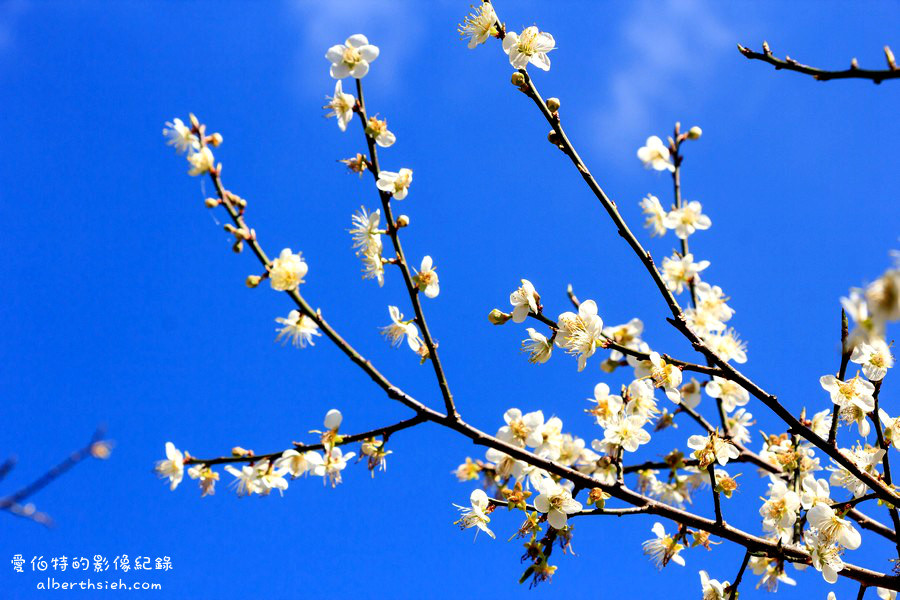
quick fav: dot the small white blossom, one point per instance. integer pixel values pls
(531, 46)
(377, 130)
(298, 328)
(874, 357)
(287, 271)
(727, 345)
(853, 392)
(739, 425)
(712, 448)
(556, 502)
(373, 265)
(397, 184)
(172, 468)
(712, 588)
(627, 432)
(832, 527)
(427, 279)
(891, 428)
(537, 346)
(366, 231)
(665, 376)
(524, 300)
(202, 161)
(687, 219)
(728, 392)
(655, 215)
(400, 329)
(608, 406)
(580, 334)
(522, 430)
(711, 299)
(680, 271)
(180, 136)
(663, 549)
(479, 25)
(341, 106)
(813, 491)
(298, 463)
(826, 556)
(352, 57)
(474, 515)
(655, 154)
(334, 462)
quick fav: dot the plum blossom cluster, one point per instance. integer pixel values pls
(260, 475)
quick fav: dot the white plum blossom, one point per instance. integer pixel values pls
(655, 219)
(524, 300)
(891, 428)
(556, 502)
(821, 423)
(728, 392)
(853, 392)
(826, 557)
(663, 549)
(271, 478)
(377, 129)
(207, 478)
(246, 480)
(202, 161)
(400, 329)
(865, 459)
(580, 334)
(727, 345)
(333, 463)
(474, 515)
(298, 463)
(522, 430)
(711, 299)
(666, 376)
(287, 271)
(397, 184)
(712, 448)
(813, 491)
(552, 436)
(298, 328)
(641, 399)
(426, 280)
(832, 527)
(779, 512)
(874, 357)
(655, 154)
(886, 594)
(479, 25)
(712, 589)
(627, 335)
(341, 105)
(739, 425)
(687, 219)
(531, 46)
(352, 57)
(608, 406)
(373, 265)
(366, 231)
(180, 136)
(172, 468)
(627, 432)
(680, 271)
(537, 346)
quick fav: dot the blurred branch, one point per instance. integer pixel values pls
(854, 72)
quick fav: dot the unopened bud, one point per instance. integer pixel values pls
(238, 451)
(498, 317)
(889, 56)
(253, 281)
(212, 202)
(553, 104)
(854, 64)
(694, 133)
(238, 247)
(215, 139)
(402, 221)
(554, 138)
(517, 79)
(194, 121)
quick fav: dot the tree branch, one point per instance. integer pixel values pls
(854, 72)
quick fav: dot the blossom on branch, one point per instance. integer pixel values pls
(400, 329)
(181, 137)
(655, 154)
(479, 25)
(475, 515)
(426, 280)
(664, 549)
(352, 57)
(524, 300)
(580, 334)
(679, 271)
(172, 468)
(287, 271)
(687, 219)
(656, 215)
(298, 328)
(556, 502)
(397, 184)
(341, 105)
(531, 46)
(537, 346)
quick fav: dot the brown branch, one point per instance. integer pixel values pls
(344, 439)
(842, 372)
(733, 588)
(411, 288)
(885, 460)
(854, 72)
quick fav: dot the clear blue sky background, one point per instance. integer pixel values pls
(123, 304)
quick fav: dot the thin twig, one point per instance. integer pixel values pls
(733, 588)
(854, 72)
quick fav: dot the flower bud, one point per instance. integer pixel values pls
(553, 104)
(238, 247)
(212, 202)
(253, 281)
(498, 317)
(101, 449)
(195, 123)
(402, 221)
(554, 138)
(333, 419)
(238, 451)
(517, 79)
(694, 133)
(215, 139)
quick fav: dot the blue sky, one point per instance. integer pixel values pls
(123, 303)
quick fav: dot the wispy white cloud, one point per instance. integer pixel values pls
(666, 50)
(395, 26)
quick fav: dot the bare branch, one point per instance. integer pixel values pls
(854, 72)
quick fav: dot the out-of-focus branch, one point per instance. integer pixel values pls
(854, 72)
(733, 588)
(97, 447)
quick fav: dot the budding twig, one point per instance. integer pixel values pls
(854, 72)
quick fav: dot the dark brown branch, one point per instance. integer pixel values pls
(344, 439)
(411, 288)
(885, 460)
(854, 72)
(842, 372)
(733, 588)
